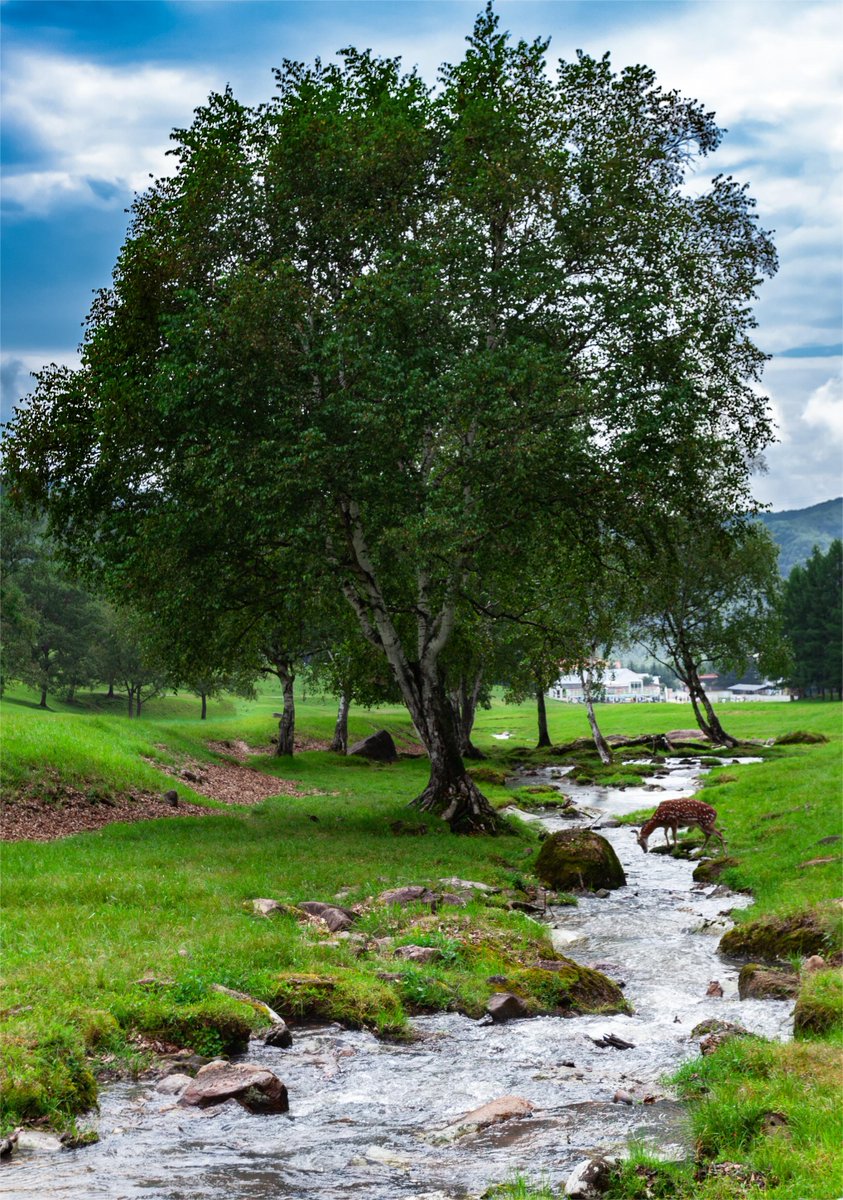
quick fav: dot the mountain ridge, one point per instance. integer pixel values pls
(797, 530)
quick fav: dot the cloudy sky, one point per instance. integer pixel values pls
(92, 90)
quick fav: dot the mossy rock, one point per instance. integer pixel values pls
(710, 869)
(562, 984)
(771, 938)
(357, 1001)
(819, 1008)
(761, 983)
(306, 996)
(578, 858)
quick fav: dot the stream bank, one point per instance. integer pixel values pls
(368, 1117)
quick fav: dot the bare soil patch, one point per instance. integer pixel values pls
(234, 784)
(38, 819)
(54, 811)
(237, 748)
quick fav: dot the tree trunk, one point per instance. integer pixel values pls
(138, 703)
(110, 695)
(451, 792)
(719, 734)
(287, 722)
(204, 696)
(544, 734)
(340, 742)
(43, 701)
(464, 705)
(709, 723)
(131, 693)
(599, 741)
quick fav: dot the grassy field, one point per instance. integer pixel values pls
(87, 916)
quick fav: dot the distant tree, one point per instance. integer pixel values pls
(138, 667)
(349, 668)
(50, 623)
(211, 684)
(813, 619)
(710, 598)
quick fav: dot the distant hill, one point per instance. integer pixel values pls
(798, 530)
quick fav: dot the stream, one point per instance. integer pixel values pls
(366, 1117)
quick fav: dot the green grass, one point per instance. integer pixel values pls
(87, 916)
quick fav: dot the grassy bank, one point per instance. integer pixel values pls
(88, 916)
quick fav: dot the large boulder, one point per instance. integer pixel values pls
(378, 746)
(578, 858)
(255, 1088)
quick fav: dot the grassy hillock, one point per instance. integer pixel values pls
(87, 917)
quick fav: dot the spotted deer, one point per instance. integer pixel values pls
(673, 814)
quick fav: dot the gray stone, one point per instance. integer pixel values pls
(264, 907)
(336, 918)
(506, 1006)
(590, 1178)
(412, 894)
(505, 1108)
(278, 1035)
(762, 983)
(469, 885)
(418, 954)
(171, 1085)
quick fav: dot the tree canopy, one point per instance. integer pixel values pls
(371, 337)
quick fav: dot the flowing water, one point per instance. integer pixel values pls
(367, 1118)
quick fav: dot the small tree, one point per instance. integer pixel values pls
(711, 598)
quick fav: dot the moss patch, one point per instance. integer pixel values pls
(801, 737)
(819, 1008)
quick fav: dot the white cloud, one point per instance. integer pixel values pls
(16, 369)
(89, 122)
(805, 466)
(824, 410)
(771, 72)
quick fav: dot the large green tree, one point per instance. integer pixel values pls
(370, 336)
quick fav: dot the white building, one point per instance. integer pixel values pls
(619, 685)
